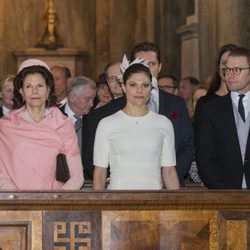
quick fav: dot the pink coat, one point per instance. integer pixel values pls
(28, 150)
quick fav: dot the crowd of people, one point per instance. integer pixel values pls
(134, 128)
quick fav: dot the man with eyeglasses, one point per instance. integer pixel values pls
(113, 76)
(168, 83)
(166, 104)
(223, 152)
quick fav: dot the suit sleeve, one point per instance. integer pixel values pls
(184, 145)
(89, 129)
(206, 152)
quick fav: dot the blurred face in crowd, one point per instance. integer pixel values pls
(238, 76)
(103, 93)
(61, 82)
(81, 100)
(223, 61)
(151, 58)
(167, 84)
(137, 89)
(7, 94)
(34, 91)
(185, 89)
(198, 93)
(113, 75)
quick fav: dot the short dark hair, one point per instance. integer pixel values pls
(241, 51)
(146, 46)
(108, 66)
(65, 69)
(175, 80)
(19, 80)
(136, 68)
(194, 81)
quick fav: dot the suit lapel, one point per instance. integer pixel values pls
(228, 121)
(1, 111)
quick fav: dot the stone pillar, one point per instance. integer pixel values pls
(190, 47)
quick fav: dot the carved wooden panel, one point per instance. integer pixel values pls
(168, 230)
(13, 237)
(63, 230)
(20, 230)
(234, 230)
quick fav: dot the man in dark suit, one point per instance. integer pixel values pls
(80, 97)
(166, 104)
(223, 150)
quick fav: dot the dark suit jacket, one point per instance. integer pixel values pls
(1, 112)
(218, 151)
(169, 105)
(62, 108)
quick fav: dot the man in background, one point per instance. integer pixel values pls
(80, 99)
(113, 76)
(168, 83)
(62, 78)
(186, 88)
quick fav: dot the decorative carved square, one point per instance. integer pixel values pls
(80, 230)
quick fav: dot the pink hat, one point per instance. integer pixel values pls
(31, 62)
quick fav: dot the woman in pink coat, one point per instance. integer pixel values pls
(34, 133)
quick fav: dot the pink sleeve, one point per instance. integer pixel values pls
(66, 132)
(76, 173)
(5, 182)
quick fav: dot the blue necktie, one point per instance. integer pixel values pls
(241, 107)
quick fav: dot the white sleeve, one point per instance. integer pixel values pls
(101, 145)
(168, 155)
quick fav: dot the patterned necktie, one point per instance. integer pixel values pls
(241, 107)
(78, 123)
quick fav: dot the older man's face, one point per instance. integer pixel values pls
(82, 101)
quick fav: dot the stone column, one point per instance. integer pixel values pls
(190, 47)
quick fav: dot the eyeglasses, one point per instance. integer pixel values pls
(166, 87)
(235, 70)
(113, 79)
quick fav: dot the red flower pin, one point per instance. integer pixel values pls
(174, 115)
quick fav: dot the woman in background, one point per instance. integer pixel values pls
(34, 133)
(218, 86)
(136, 143)
(104, 95)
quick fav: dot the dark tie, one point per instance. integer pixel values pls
(241, 107)
(78, 123)
(78, 126)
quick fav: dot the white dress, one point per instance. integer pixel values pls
(135, 148)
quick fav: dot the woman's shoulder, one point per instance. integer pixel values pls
(57, 118)
(111, 118)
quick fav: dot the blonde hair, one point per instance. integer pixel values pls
(7, 78)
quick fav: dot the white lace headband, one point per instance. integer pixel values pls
(125, 64)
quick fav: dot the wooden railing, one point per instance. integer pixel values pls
(186, 219)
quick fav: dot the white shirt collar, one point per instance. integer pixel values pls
(70, 113)
(5, 110)
(246, 101)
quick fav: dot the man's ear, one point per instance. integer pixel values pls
(69, 80)
(1, 95)
(160, 68)
(123, 87)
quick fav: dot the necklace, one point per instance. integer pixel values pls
(136, 119)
